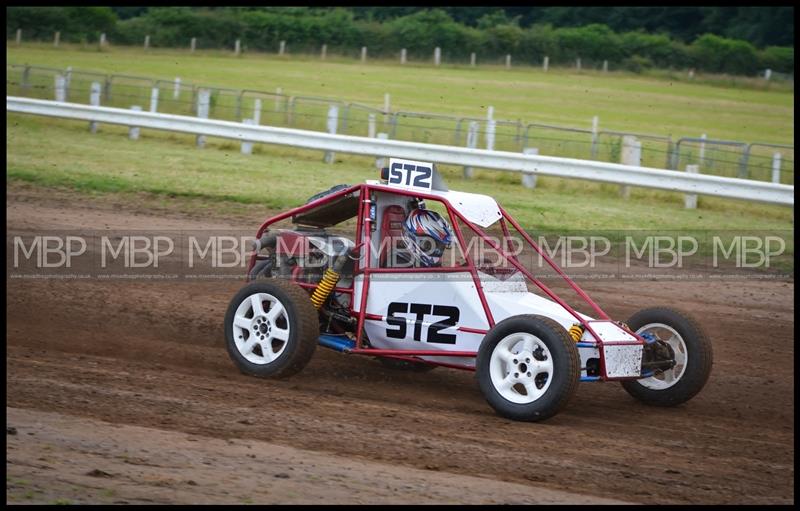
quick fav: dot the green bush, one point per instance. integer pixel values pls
(720, 55)
(637, 64)
(592, 42)
(76, 24)
(491, 36)
(778, 58)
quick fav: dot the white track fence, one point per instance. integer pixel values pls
(499, 160)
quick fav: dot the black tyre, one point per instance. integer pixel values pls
(271, 329)
(527, 368)
(406, 365)
(693, 356)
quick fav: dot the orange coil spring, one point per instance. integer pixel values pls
(576, 332)
(324, 288)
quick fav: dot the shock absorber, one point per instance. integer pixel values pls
(324, 288)
(329, 280)
(576, 332)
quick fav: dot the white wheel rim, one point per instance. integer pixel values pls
(666, 379)
(521, 368)
(261, 328)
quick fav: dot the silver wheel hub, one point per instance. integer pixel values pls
(521, 368)
(665, 379)
(261, 328)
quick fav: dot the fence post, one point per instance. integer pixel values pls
(605, 66)
(67, 80)
(545, 63)
(595, 122)
(371, 126)
(380, 161)
(744, 161)
(193, 44)
(26, 77)
(61, 88)
(324, 51)
(691, 74)
(403, 55)
(529, 178)
(107, 90)
(57, 39)
(257, 111)
(333, 120)
(177, 91)
(238, 48)
(578, 63)
(437, 56)
(102, 40)
(154, 99)
(203, 103)
(702, 149)
(386, 98)
(247, 147)
(508, 61)
(776, 168)
(670, 150)
(238, 113)
(472, 143)
(472, 59)
(363, 54)
(768, 74)
(282, 48)
(631, 155)
(94, 100)
(19, 36)
(690, 199)
(490, 129)
(146, 42)
(133, 132)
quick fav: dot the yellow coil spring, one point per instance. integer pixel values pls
(324, 288)
(576, 332)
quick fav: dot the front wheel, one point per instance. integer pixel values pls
(527, 368)
(271, 329)
(693, 357)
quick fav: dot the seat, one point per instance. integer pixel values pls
(391, 231)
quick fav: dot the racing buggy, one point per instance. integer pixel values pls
(410, 287)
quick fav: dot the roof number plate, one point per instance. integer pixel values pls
(414, 175)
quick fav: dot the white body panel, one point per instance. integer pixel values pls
(505, 299)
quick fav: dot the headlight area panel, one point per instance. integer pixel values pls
(622, 351)
(623, 361)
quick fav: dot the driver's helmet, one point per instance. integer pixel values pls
(426, 235)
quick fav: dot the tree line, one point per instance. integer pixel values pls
(491, 33)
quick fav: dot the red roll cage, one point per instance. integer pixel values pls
(363, 224)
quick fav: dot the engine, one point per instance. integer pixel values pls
(304, 255)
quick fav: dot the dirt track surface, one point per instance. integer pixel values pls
(142, 354)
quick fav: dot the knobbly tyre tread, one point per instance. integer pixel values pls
(304, 322)
(692, 382)
(544, 407)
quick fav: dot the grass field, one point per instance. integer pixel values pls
(59, 153)
(623, 102)
(279, 177)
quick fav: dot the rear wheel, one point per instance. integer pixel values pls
(527, 368)
(693, 357)
(271, 329)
